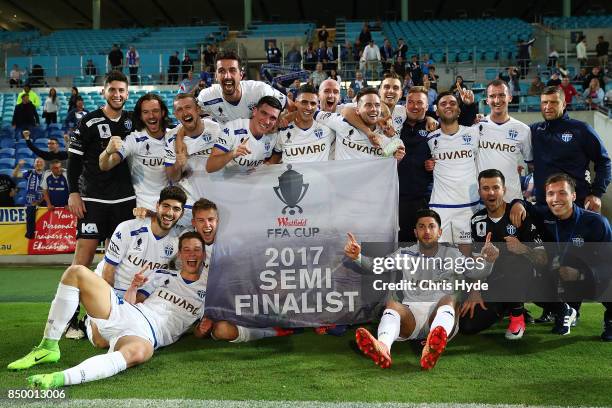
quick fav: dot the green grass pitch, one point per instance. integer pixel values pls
(541, 369)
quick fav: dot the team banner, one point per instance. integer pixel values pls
(12, 231)
(55, 232)
(278, 257)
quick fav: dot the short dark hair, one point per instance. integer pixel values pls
(497, 82)
(443, 94)
(55, 161)
(270, 101)
(368, 90)
(391, 75)
(228, 55)
(190, 235)
(150, 96)
(426, 212)
(115, 76)
(203, 204)
(551, 90)
(306, 88)
(173, 193)
(557, 177)
(492, 173)
(54, 139)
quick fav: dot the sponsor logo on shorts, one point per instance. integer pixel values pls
(89, 228)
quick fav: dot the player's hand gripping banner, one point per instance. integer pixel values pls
(278, 256)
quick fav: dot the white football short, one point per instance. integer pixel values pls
(456, 226)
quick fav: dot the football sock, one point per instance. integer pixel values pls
(517, 309)
(389, 327)
(253, 333)
(62, 308)
(95, 368)
(445, 317)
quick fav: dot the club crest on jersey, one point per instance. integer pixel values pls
(128, 124)
(467, 139)
(251, 106)
(168, 249)
(118, 234)
(512, 134)
(138, 244)
(435, 143)
(566, 137)
(510, 229)
(422, 133)
(291, 190)
(398, 120)
(104, 130)
(201, 293)
(147, 149)
(481, 229)
(578, 241)
(318, 133)
(267, 146)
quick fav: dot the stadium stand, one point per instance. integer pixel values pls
(579, 21)
(265, 30)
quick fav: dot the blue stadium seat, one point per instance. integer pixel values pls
(6, 143)
(24, 153)
(7, 152)
(28, 164)
(22, 184)
(6, 172)
(20, 144)
(490, 74)
(7, 163)
(41, 143)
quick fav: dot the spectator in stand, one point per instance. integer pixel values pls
(33, 96)
(370, 59)
(293, 57)
(75, 114)
(433, 78)
(25, 115)
(347, 53)
(580, 77)
(432, 95)
(74, 95)
(416, 73)
(189, 84)
(318, 76)
(115, 59)
(174, 63)
(90, 68)
(365, 36)
(426, 63)
(581, 51)
(273, 53)
(358, 83)
(536, 87)
(386, 54)
(568, 90)
(310, 58)
(553, 59)
(333, 74)
(322, 52)
(201, 86)
(458, 86)
(186, 65)
(51, 107)
(402, 49)
(332, 57)
(132, 58)
(54, 152)
(524, 56)
(323, 34)
(595, 73)
(15, 76)
(594, 95)
(8, 189)
(34, 196)
(601, 49)
(554, 80)
(407, 85)
(209, 58)
(399, 66)
(511, 76)
(54, 186)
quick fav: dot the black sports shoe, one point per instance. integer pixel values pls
(564, 320)
(528, 317)
(546, 317)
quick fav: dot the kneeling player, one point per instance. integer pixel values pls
(133, 327)
(422, 313)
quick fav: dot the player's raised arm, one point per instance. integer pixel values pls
(352, 249)
(132, 295)
(110, 157)
(219, 158)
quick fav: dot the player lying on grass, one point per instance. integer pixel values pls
(154, 313)
(425, 311)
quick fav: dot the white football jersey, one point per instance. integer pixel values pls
(214, 105)
(133, 246)
(398, 116)
(503, 147)
(145, 156)
(352, 143)
(235, 132)
(173, 304)
(198, 150)
(455, 174)
(299, 145)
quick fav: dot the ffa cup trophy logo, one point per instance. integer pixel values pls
(291, 190)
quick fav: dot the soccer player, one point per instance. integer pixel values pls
(189, 148)
(504, 141)
(509, 279)
(149, 242)
(329, 95)
(144, 149)
(153, 314)
(100, 200)
(455, 188)
(568, 225)
(422, 313)
(205, 221)
(231, 97)
(352, 143)
(303, 140)
(246, 143)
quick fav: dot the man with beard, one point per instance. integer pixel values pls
(189, 148)
(244, 144)
(144, 150)
(303, 140)
(231, 97)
